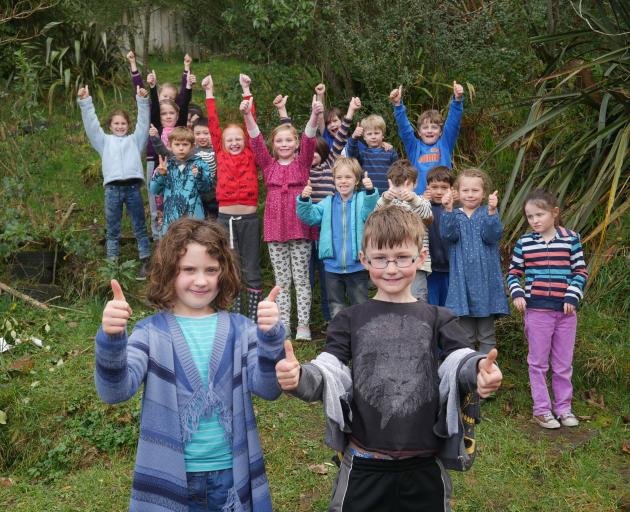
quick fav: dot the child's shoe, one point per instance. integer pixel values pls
(547, 421)
(569, 420)
(303, 333)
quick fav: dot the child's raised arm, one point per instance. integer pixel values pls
(320, 90)
(453, 121)
(141, 133)
(93, 128)
(280, 102)
(211, 108)
(136, 77)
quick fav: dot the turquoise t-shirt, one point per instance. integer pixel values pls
(207, 449)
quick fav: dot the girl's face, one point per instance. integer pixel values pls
(284, 145)
(471, 192)
(345, 182)
(542, 221)
(233, 140)
(168, 116)
(168, 93)
(197, 282)
(333, 125)
(119, 126)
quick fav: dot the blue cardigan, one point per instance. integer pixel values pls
(316, 214)
(157, 355)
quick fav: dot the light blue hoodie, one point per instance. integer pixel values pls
(120, 156)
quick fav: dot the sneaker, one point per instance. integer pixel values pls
(143, 270)
(303, 333)
(547, 421)
(569, 420)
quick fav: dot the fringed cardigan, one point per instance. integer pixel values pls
(156, 354)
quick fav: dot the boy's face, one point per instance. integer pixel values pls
(181, 149)
(202, 136)
(393, 282)
(430, 132)
(398, 190)
(345, 182)
(233, 140)
(333, 125)
(437, 189)
(373, 137)
(119, 126)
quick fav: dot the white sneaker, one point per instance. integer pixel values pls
(569, 420)
(547, 421)
(303, 333)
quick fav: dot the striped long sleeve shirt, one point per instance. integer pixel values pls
(555, 271)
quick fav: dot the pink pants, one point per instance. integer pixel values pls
(550, 333)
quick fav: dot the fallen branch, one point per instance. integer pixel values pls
(22, 296)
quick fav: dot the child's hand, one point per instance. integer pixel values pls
(153, 131)
(367, 182)
(317, 107)
(246, 107)
(280, 101)
(358, 132)
(493, 201)
(489, 376)
(190, 81)
(386, 146)
(288, 369)
(116, 312)
(245, 81)
(407, 196)
(427, 194)
(207, 83)
(569, 309)
(308, 190)
(396, 95)
(187, 62)
(152, 79)
(195, 170)
(458, 91)
(520, 304)
(355, 104)
(388, 195)
(84, 92)
(161, 168)
(268, 312)
(447, 201)
(131, 57)
(320, 90)
(141, 91)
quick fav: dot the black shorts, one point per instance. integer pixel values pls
(418, 484)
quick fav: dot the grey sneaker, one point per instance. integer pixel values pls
(547, 421)
(569, 420)
(303, 333)
(143, 270)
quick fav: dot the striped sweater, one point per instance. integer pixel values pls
(157, 355)
(555, 271)
(375, 161)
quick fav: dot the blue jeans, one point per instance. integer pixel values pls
(208, 490)
(318, 265)
(115, 197)
(437, 283)
(354, 284)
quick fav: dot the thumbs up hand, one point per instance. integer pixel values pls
(195, 170)
(83, 92)
(493, 202)
(308, 190)
(268, 312)
(489, 376)
(140, 91)
(288, 369)
(396, 96)
(458, 91)
(447, 201)
(116, 312)
(367, 182)
(152, 79)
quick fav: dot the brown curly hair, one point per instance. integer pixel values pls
(165, 261)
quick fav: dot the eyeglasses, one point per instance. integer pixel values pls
(381, 262)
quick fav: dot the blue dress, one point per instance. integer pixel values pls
(476, 281)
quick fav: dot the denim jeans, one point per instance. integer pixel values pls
(115, 197)
(317, 265)
(354, 284)
(208, 490)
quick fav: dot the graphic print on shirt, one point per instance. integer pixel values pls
(389, 374)
(433, 156)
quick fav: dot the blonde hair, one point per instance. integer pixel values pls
(277, 130)
(433, 116)
(350, 163)
(181, 133)
(473, 172)
(373, 122)
(392, 226)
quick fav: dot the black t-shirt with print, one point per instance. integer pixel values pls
(395, 350)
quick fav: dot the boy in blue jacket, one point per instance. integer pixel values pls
(437, 138)
(341, 217)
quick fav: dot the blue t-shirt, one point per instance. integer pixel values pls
(208, 448)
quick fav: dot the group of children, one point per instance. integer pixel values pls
(424, 237)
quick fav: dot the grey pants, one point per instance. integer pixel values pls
(479, 329)
(155, 230)
(419, 286)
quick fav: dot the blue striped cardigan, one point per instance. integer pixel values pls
(555, 272)
(156, 354)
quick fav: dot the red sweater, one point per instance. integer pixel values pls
(237, 177)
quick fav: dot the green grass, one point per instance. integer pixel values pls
(65, 450)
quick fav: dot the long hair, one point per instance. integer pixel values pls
(545, 200)
(165, 261)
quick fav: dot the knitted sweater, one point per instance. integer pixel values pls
(284, 182)
(555, 271)
(374, 161)
(156, 354)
